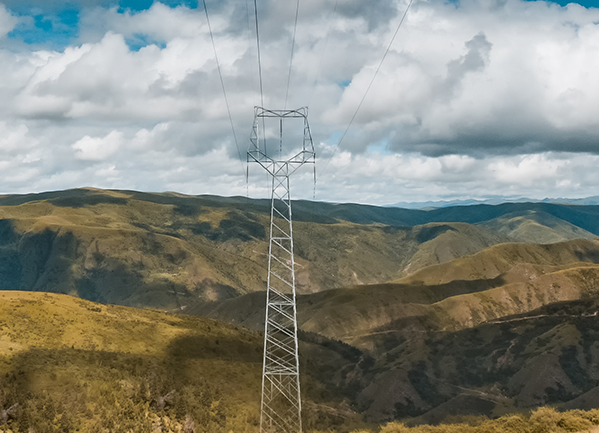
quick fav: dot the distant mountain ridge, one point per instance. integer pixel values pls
(588, 201)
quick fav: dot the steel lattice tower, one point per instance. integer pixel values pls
(280, 409)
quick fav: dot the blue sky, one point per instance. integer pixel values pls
(56, 24)
(490, 98)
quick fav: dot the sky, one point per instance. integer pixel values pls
(474, 98)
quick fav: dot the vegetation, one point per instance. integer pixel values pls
(70, 365)
(169, 250)
(541, 420)
(411, 315)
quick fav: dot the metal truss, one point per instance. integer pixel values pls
(281, 406)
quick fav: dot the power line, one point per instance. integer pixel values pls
(259, 60)
(292, 48)
(369, 86)
(249, 35)
(259, 65)
(326, 41)
(222, 83)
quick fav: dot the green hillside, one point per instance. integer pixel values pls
(71, 365)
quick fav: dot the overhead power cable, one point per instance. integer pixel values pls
(292, 49)
(324, 49)
(369, 86)
(259, 65)
(250, 42)
(222, 83)
(259, 60)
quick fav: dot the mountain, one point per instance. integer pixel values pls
(69, 365)
(404, 314)
(169, 250)
(428, 358)
(536, 226)
(427, 205)
(411, 326)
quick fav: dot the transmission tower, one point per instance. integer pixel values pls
(281, 406)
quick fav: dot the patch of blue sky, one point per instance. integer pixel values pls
(382, 148)
(52, 30)
(585, 3)
(139, 40)
(56, 28)
(343, 83)
(334, 138)
(141, 5)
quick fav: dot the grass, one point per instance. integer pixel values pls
(541, 420)
(72, 365)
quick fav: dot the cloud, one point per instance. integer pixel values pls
(497, 91)
(98, 148)
(7, 21)
(376, 178)
(160, 23)
(472, 97)
(15, 138)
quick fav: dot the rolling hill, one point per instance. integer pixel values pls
(169, 250)
(71, 365)
(403, 313)
(411, 326)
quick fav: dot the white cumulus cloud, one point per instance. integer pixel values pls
(98, 148)
(479, 98)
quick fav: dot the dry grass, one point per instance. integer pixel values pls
(542, 420)
(73, 365)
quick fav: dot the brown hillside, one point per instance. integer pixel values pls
(536, 226)
(512, 279)
(73, 365)
(512, 262)
(169, 251)
(443, 242)
(547, 356)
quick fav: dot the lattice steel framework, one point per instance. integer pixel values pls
(281, 405)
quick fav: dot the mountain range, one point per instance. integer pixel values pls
(403, 313)
(588, 201)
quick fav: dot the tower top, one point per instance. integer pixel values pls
(266, 146)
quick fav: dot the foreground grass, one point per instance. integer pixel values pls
(69, 365)
(541, 420)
